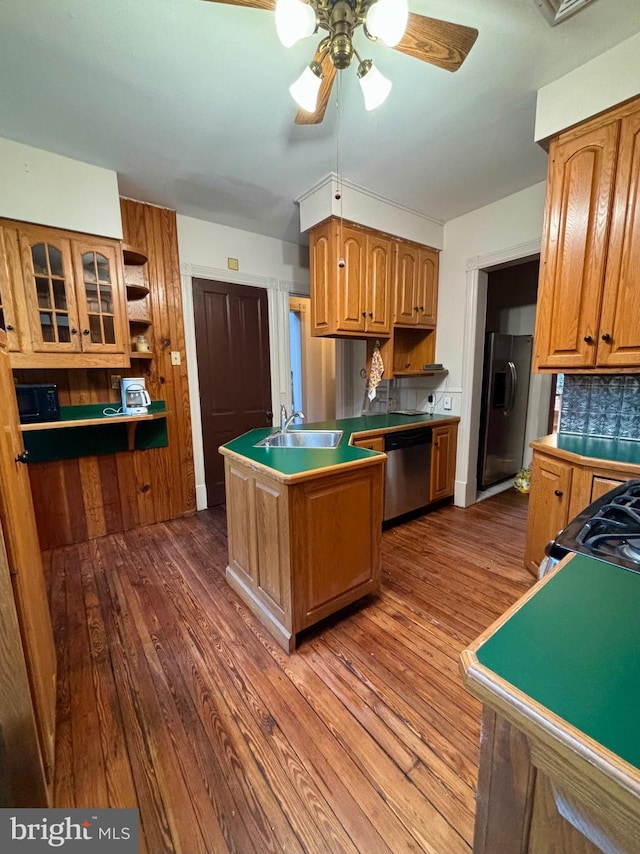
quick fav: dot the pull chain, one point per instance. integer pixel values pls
(338, 193)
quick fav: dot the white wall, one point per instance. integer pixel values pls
(357, 204)
(503, 231)
(607, 80)
(279, 267)
(47, 189)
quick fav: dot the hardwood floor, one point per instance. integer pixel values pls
(172, 697)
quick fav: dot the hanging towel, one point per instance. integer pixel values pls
(376, 372)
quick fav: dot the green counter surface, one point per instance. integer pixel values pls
(292, 461)
(616, 450)
(574, 647)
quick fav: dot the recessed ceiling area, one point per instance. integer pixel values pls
(188, 101)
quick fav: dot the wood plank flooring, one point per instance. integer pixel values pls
(172, 697)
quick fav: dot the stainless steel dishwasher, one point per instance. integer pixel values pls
(408, 471)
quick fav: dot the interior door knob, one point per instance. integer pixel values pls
(606, 337)
(23, 457)
(558, 492)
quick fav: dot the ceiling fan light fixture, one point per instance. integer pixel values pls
(295, 20)
(305, 90)
(375, 86)
(387, 20)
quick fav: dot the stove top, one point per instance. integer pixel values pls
(608, 529)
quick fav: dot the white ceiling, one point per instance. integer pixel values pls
(188, 102)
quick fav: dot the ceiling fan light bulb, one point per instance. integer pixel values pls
(295, 20)
(305, 90)
(387, 20)
(375, 86)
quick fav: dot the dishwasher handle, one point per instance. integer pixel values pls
(408, 438)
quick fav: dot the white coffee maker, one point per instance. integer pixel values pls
(135, 397)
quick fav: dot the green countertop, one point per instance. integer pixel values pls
(625, 451)
(292, 461)
(574, 647)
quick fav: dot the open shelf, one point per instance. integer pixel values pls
(133, 256)
(136, 354)
(137, 291)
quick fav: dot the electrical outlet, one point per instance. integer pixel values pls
(175, 357)
(446, 403)
(430, 398)
(116, 379)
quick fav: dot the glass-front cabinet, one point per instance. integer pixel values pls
(74, 297)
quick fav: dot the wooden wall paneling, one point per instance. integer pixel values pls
(172, 479)
(77, 500)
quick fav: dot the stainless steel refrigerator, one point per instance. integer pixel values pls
(505, 394)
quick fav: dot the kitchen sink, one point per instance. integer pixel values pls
(302, 439)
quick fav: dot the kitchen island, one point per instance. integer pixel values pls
(559, 677)
(305, 524)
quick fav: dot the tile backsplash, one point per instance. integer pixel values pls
(601, 405)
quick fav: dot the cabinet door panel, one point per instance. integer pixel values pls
(427, 287)
(581, 181)
(378, 284)
(406, 286)
(323, 274)
(17, 518)
(10, 281)
(50, 294)
(548, 506)
(100, 295)
(619, 343)
(351, 281)
(443, 459)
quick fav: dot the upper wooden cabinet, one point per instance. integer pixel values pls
(351, 270)
(589, 295)
(416, 286)
(67, 298)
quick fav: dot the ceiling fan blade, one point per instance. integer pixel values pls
(270, 5)
(328, 76)
(438, 42)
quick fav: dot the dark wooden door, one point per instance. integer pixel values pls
(232, 343)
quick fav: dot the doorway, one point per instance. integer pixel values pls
(232, 346)
(313, 365)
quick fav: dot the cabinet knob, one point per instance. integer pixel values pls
(85, 331)
(74, 331)
(558, 492)
(416, 308)
(606, 337)
(23, 457)
(9, 327)
(370, 314)
(588, 339)
(421, 308)
(364, 313)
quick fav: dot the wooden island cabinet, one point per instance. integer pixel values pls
(301, 548)
(559, 753)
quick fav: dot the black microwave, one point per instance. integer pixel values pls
(38, 402)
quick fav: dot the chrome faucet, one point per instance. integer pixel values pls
(285, 422)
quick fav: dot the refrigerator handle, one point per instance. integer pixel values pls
(513, 388)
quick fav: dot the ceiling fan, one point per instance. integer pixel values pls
(389, 21)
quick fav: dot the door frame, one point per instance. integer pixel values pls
(278, 293)
(472, 363)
